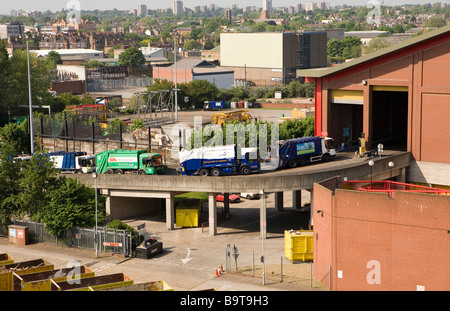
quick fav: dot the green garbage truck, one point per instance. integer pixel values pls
(121, 161)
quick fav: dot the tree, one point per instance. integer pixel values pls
(69, 99)
(15, 139)
(352, 47)
(192, 45)
(72, 204)
(18, 84)
(435, 21)
(93, 63)
(335, 47)
(376, 44)
(199, 91)
(37, 179)
(5, 82)
(53, 59)
(131, 57)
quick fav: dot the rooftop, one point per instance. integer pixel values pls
(404, 45)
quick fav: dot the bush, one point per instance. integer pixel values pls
(136, 239)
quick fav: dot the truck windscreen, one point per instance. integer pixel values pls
(329, 143)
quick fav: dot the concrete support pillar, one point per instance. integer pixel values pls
(297, 199)
(279, 203)
(263, 216)
(108, 207)
(226, 205)
(170, 212)
(212, 214)
(402, 176)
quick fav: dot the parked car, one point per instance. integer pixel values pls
(250, 196)
(233, 198)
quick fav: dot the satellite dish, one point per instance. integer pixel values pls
(148, 33)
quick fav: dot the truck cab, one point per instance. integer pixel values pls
(150, 163)
(85, 164)
(328, 149)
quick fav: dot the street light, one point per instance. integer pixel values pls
(30, 99)
(176, 84)
(371, 164)
(94, 175)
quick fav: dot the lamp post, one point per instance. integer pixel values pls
(94, 175)
(30, 99)
(176, 84)
(371, 164)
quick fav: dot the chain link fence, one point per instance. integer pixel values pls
(110, 240)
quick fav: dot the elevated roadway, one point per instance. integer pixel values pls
(124, 191)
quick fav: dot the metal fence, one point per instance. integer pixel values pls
(110, 240)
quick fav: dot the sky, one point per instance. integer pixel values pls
(57, 5)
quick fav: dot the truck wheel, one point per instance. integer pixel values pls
(118, 172)
(326, 157)
(141, 172)
(215, 172)
(109, 171)
(292, 163)
(245, 170)
(204, 172)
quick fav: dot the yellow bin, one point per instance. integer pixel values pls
(298, 245)
(188, 213)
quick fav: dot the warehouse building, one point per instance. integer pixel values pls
(392, 237)
(269, 59)
(398, 96)
(190, 69)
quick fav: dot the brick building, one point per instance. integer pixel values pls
(398, 96)
(372, 241)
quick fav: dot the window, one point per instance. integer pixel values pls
(329, 143)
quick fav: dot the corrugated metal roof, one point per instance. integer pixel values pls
(189, 63)
(326, 71)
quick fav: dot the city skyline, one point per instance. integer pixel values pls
(44, 5)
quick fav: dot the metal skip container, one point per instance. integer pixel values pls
(298, 245)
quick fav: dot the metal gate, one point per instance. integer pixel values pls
(114, 241)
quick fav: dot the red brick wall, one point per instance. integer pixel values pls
(403, 240)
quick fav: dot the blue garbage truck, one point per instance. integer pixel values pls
(301, 151)
(218, 160)
(213, 105)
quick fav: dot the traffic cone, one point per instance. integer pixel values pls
(221, 268)
(217, 273)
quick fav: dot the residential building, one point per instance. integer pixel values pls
(142, 10)
(11, 30)
(178, 7)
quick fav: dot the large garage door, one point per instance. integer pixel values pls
(347, 97)
(390, 117)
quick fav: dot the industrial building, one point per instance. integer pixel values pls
(398, 96)
(188, 70)
(269, 59)
(377, 235)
